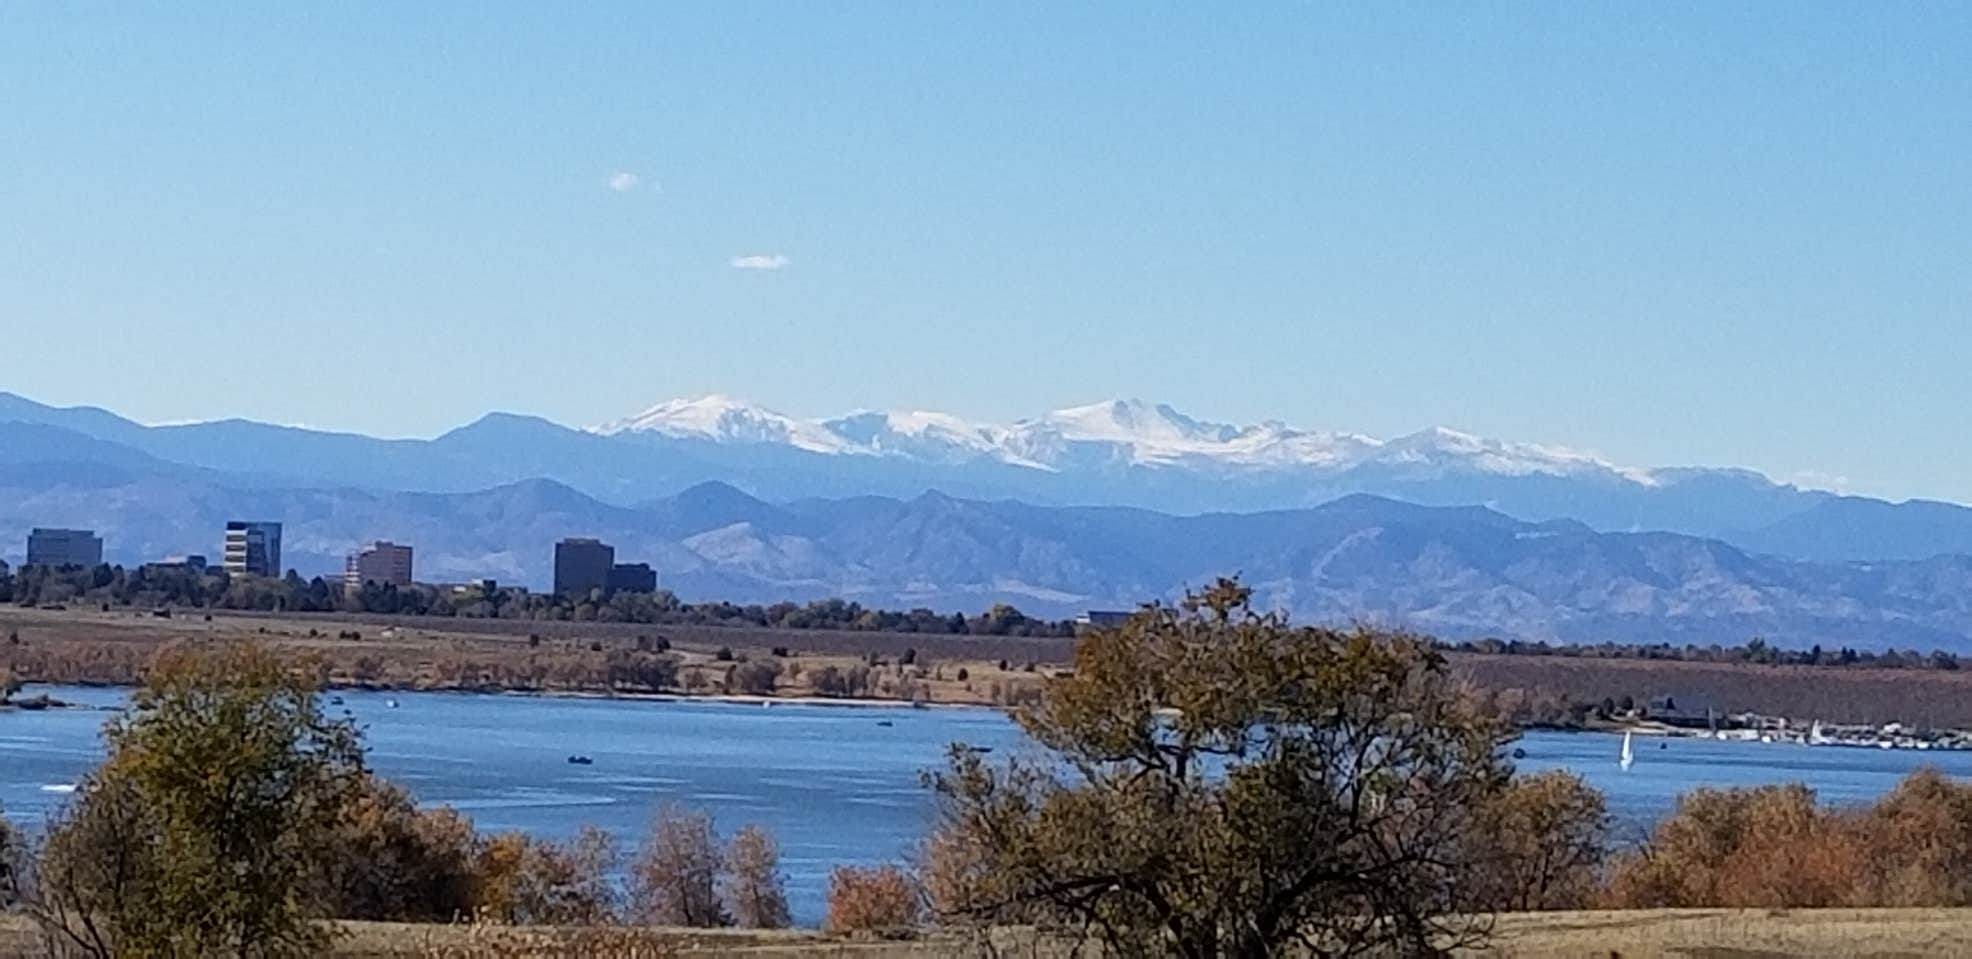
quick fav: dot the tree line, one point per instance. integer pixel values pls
(1755, 651)
(156, 586)
(162, 586)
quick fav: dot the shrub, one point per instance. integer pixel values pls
(872, 899)
(521, 880)
(1538, 844)
(724, 655)
(755, 679)
(1918, 842)
(753, 888)
(674, 878)
(389, 860)
(1769, 846)
(13, 854)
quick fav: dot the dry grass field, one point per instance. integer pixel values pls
(1833, 694)
(446, 653)
(1733, 934)
(1657, 934)
(88, 645)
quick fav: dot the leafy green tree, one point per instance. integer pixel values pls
(1223, 784)
(201, 833)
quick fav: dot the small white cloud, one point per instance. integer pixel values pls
(622, 181)
(760, 261)
(1816, 479)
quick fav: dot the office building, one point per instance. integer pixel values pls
(632, 578)
(253, 548)
(382, 562)
(582, 564)
(64, 547)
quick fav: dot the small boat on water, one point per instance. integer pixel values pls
(1629, 756)
(885, 722)
(390, 704)
(335, 700)
(581, 761)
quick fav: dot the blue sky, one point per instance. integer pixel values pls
(1671, 233)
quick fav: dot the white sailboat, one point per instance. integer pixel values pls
(1628, 755)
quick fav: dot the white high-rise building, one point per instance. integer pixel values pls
(253, 548)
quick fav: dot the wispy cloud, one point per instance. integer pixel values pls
(622, 181)
(760, 261)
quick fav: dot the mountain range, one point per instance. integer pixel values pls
(1094, 506)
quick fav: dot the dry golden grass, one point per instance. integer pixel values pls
(1732, 934)
(89, 645)
(1633, 934)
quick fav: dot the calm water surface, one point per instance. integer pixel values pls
(833, 784)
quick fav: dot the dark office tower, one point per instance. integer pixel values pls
(582, 564)
(632, 578)
(64, 547)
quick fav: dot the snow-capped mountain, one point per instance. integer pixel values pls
(1108, 455)
(724, 419)
(1113, 434)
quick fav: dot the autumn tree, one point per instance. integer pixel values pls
(390, 860)
(1537, 844)
(674, 879)
(13, 853)
(752, 887)
(1766, 846)
(1224, 784)
(872, 899)
(1918, 839)
(522, 880)
(199, 834)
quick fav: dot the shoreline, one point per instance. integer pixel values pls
(730, 699)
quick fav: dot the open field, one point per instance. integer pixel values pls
(88, 645)
(1833, 694)
(1653, 934)
(1734, 934)
(91, 646)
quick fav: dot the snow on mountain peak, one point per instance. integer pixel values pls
(724, 419)
(1121, 432)
(1133, 421)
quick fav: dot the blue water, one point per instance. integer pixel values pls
(832, 784)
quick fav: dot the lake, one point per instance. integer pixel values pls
(832, 783)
